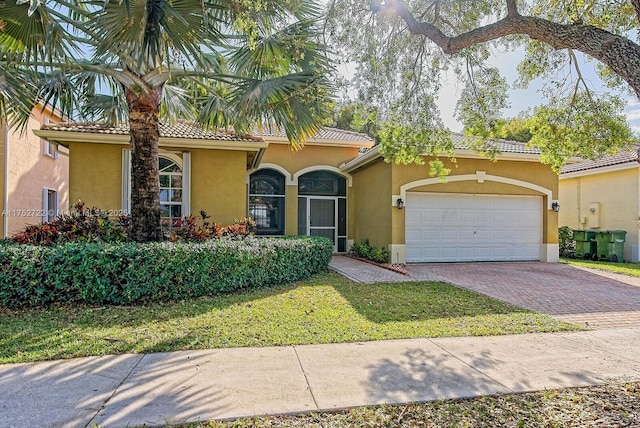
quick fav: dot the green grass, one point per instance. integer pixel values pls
(325, 309)
(616, 404)
(631, 269)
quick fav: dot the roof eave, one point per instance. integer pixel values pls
(600, 170)
(372, 155)
(64, 138)
(362, 144)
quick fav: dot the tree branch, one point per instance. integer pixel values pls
(617, 52)
(636, 6)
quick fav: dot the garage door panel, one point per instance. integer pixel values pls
(453, 227)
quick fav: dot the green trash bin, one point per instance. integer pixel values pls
(616, 246)
(585, 244)
(610, 245)
(603, 239)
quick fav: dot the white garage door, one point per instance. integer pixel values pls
(463, 228)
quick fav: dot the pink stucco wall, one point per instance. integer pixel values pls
(30, 170)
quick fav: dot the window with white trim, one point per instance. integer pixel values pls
(49, 205)
(170, 194)
(50, 149)
(175, 186)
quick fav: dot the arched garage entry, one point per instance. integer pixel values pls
(465, 227)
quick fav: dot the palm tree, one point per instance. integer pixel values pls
(220, 62)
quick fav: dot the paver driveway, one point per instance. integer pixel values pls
(596, 300)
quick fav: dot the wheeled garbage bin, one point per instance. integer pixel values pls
(585, 244)
(610, 245)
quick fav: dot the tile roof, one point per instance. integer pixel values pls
(617, 159)
(182, 130)
(324, 133)
(502, 146)
(191, 131)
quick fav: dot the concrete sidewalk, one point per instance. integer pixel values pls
(155, 389)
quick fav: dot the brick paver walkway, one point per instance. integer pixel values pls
(593, 299)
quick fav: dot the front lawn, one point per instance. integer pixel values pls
(324, 309)
(631, 269)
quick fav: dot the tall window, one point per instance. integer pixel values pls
(49, 205)
(266, 201)
(170, 194)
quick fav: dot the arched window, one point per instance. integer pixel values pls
(322, 183)
(170, 194)
(266, 201)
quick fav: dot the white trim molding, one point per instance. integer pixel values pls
(398, 253)
(289, 181)
(323, 168)
(550, 253)
(480, 177)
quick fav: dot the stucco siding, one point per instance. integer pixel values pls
(372, 212)
(614, 198)
(309, 156)
(30, 171)
(95, 175)
(218, 184)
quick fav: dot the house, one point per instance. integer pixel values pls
(604, 194)
(33, 173)
(337, 186)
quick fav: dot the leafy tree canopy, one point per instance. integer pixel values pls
(402, 49)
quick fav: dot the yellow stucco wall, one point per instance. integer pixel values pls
(218, 184)
(218, 179)
(30, 171)
(617, 194)
(372, 212)
(375, 184)
(95, 175)
(294, 161)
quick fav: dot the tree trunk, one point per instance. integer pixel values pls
(145, 177)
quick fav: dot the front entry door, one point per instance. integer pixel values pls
(322, 218)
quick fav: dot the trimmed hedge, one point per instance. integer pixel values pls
(130, 273)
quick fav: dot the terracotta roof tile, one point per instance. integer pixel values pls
(324, 133)
(503, 146)
(617, 159)
(190, 131)
(180, 130)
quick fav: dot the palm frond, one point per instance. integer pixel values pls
(294, 102)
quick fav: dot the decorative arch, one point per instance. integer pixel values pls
(480, 177)
(323, 168)
(173, 157)
(287, 176)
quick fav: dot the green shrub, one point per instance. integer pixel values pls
(565, 242)
(367, 251)
(131, 273)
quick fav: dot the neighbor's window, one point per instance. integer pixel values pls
(50, 149)
(266, 201)
(49, 205)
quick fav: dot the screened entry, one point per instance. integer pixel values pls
(266, 201)
(322, 207)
